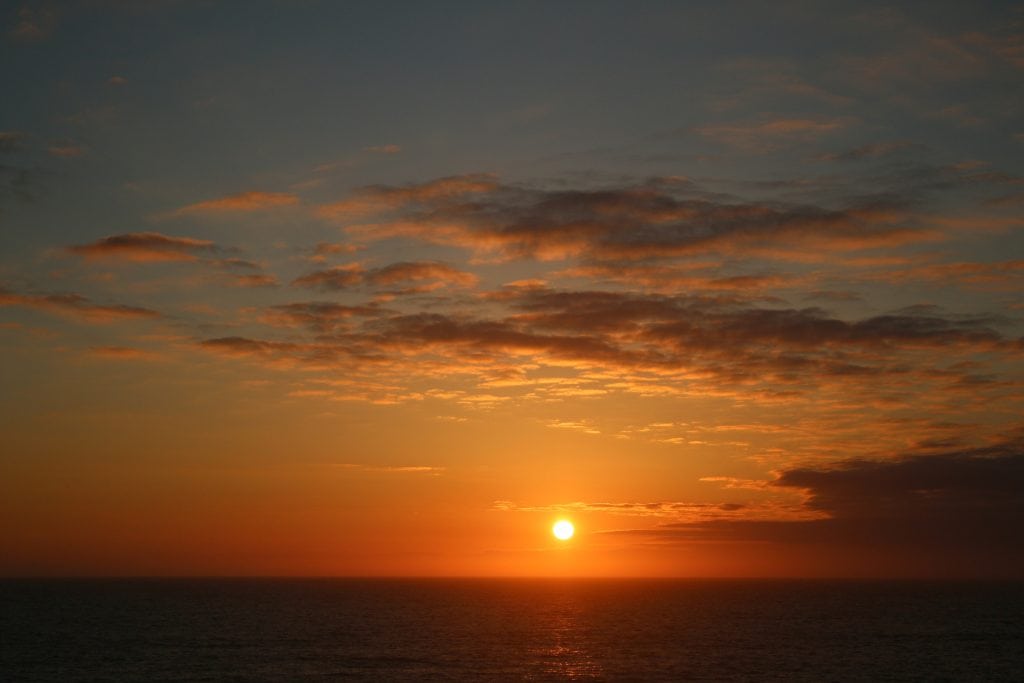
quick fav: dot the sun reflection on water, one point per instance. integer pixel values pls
(568, 655)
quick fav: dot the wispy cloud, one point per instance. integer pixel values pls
(122, 353)
(77, 306)
(764, 136)
(10, 141)
(378, 198)
(145, 247)
(430, 275)
(241, 202)
(655, 220)
(391, 469)
(34, 22)
(873, 150)
(66, 150)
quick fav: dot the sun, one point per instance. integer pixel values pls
(563, 530)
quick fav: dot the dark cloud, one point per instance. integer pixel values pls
(655, 220)
(873, 150)
(145, 247)
(430, 275)
(726, 341)
(34, 21)
(154, 247)
(831, 295)
(948, 512)
(17, 182)
(953, 484)
(76, 306)
(721, 322)
(10, 141)
(336, 278)
(320, 316)
(240, 202)
(254, 280)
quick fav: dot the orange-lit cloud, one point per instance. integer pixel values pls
(1005, 275)
(323, 250)
(144, 247)
(434, 274)
(375, 199)
(392, 469)
(66, 150)
(34, 23)
(77, 306)
(241, 202)
(316, 315)
(767, 135)
(642, 343)
(874, 150)
(254, 280)
(122, 353)
(657, 220)
(10, 141)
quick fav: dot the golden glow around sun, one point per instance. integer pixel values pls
(563, 530)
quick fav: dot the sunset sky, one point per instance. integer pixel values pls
(317, 288)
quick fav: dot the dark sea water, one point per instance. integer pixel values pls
(315, 630)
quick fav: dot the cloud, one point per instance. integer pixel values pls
(671, 510)
(769, 135)
(648, 344)
(1005, 275)
(66, 150)
(918, 59)
(873, 150)
(654, 220)
(384, 149)
(241, 202)
(320, 316)
(153, 247)
(696, 323)
(391, 469)
(434, 274)
(335, 278)
(958, 115)
(943, 485)
(1006, 46)
(17, 182)
(418, 271)
(254, 280)
(377, 198)
(144, 247)
(948, 512)
(323, 250)
(122, 353)
(682, 278)
(34, 23)
(832, 295)
(10, 141)
(241, 346)
(76, 306)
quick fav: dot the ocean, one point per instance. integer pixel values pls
(509, 629)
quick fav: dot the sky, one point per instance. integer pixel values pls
(386, 289)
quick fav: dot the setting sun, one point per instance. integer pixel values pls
(563, 530)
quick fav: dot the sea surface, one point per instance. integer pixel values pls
(468, 630)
